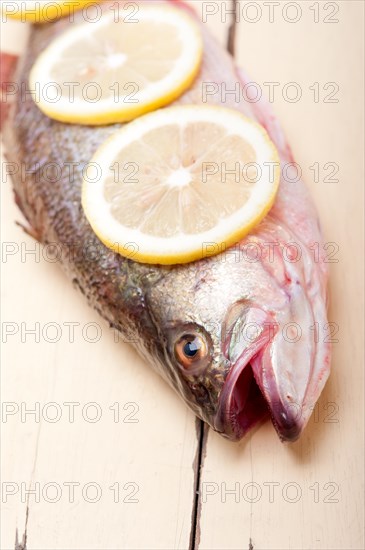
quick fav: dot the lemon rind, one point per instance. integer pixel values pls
(166, 257)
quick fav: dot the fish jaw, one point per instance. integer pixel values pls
(276, 372)
(291, 376)
(248, 398)
(285, 410)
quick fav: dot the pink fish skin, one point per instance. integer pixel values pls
(258, 308)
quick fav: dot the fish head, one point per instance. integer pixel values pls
(238, 341)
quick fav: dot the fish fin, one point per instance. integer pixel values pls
(29, 230)
(26, 226)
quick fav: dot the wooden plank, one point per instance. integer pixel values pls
(216, 16)
(158, 451)
(139, 457)
(149, 454)
(324, 469)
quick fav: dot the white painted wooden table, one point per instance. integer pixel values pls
(118, 467)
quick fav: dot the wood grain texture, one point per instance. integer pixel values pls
(152, 460)
(329, 456)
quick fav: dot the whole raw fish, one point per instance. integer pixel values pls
(238, 335)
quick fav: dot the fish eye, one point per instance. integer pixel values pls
(191, 351)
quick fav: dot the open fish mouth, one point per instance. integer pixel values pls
(241, 403)
(251, 392)
(244, 403)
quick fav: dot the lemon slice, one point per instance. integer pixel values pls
(180, 183)
(116, 70)
(41, 11)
